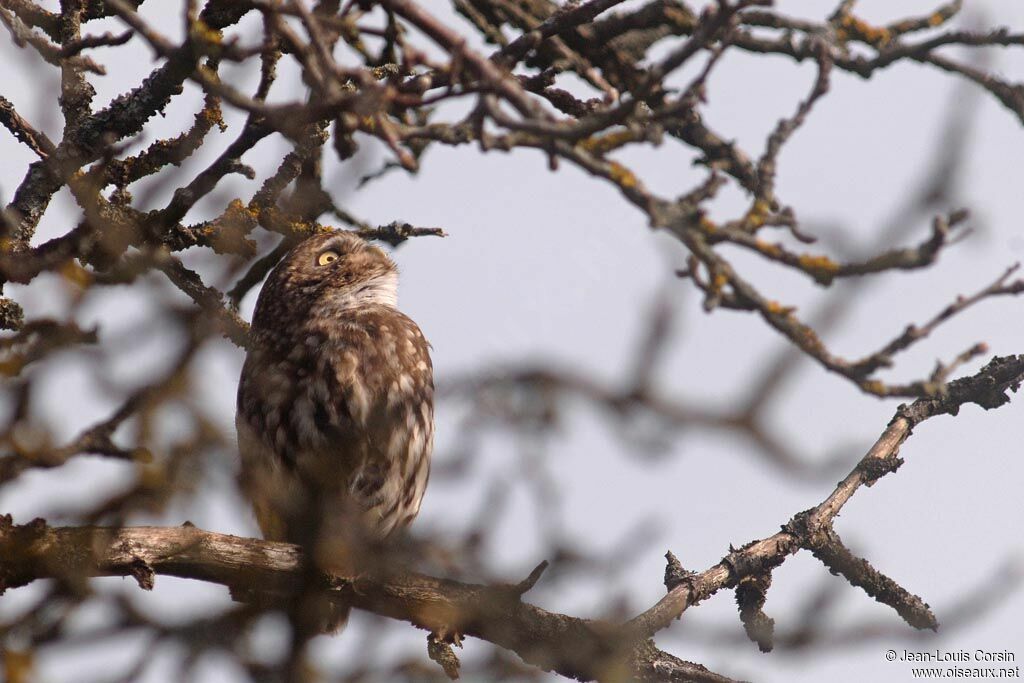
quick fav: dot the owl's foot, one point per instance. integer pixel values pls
(447, 635)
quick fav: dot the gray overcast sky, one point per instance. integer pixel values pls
(556, 267)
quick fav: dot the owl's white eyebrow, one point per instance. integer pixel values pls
(333, 245)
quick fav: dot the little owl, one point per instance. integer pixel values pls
(335, 402)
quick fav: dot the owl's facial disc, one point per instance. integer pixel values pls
(356, 273)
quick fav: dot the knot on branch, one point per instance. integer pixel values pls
(675, 573)
(743, 564)
(143, 573)
(873, 469)
(810, 531)
(751, 594)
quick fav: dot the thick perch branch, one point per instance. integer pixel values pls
(578, 648)
(573, 647)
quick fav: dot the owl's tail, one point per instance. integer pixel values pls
(301, 517)
(328, 616)
(313, 612)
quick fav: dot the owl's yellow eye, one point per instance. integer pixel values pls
(327, 257)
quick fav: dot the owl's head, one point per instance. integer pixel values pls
(328, 274)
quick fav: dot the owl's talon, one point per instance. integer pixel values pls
(449, 635)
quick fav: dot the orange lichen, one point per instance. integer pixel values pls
(775, 308)
(622, 175)
(213, 116)
(757, 214)
(202, 31)
(280, 221)
(707, 225)
(822, 268)
(227, 233)
(237, 211)
(852, 28)
(768, 249)
(821, 264)
(602, 144)
(942, 15)
(873, 387)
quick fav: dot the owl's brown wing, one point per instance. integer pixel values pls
(382, 367)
